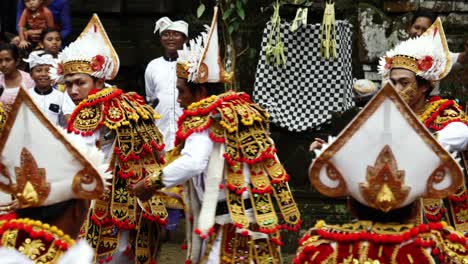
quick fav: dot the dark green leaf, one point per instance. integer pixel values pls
(200, 10)
(239, 4)
(227, 14)
(235, 25)
(230, 29)
(241, 12)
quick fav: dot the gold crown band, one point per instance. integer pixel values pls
(182, 70)
(405, 62)
(73, 67)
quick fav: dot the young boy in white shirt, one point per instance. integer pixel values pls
(44, 95)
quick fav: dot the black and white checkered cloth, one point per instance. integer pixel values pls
(302, 94)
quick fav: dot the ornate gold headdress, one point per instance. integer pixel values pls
(91, 53)
(427, 56)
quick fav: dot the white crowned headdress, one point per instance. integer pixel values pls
(427, 56)
(91, 53)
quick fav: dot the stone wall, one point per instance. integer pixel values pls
(382, 24)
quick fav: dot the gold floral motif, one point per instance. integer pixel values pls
(32, 248)
(37, 249)
(114, 113)
(462, 215)
(384, 188)
(31, 188)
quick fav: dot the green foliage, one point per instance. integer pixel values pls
(233, 12)
(200, 10)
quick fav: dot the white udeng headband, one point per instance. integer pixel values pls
(39, 58)
(165, 23)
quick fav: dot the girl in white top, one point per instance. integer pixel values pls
(11, 79)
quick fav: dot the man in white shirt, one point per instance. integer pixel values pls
(160, 77)
(47, 99)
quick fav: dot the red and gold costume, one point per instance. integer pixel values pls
(39, 242)
(242, 126)
(437, 114)
(235, 183)
(368, 242)
(134, 155)
(122, 125)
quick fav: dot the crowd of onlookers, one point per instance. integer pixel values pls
(25, 59)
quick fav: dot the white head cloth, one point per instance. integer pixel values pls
(165, 23)
(40, 58)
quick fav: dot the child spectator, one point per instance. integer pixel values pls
(10, 77)
(47, 99)
(35, 16)
(51, 42)
(60, 10)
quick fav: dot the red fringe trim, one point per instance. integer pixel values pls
(277, 242)
(181, 136)
(458, 199)
(124, 225)
(381, 238)
(269, 230)
(268, 153)
(262, 191)
(154, 219)
(216, 139)
(278, 181)
(303, 239)
(204, 111)
(62, 245)
(8, 216)
(235, 189)
(292, 228)
(124, 175)
(156, 146)
(435, 114)
(238, 225)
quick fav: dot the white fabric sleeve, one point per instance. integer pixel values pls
(149, 84)
(192, 162)
(454, 137)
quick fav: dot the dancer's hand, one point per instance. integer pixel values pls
(317, 144)
(140, 191)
